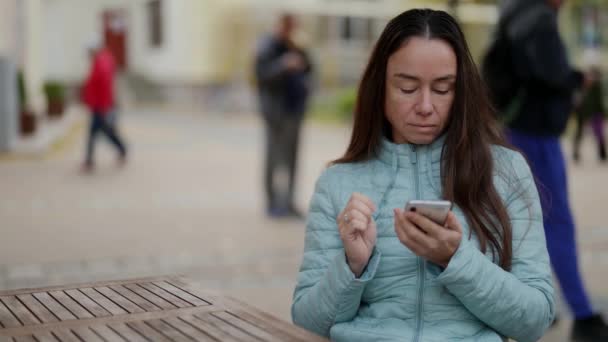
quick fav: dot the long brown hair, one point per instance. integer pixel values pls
(467, 164)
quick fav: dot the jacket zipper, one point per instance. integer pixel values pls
(421, 261)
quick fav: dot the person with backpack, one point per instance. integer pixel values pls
(532, 84)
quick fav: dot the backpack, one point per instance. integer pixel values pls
(498, 73)
(505, 88)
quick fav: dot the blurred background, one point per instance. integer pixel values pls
(190, 198)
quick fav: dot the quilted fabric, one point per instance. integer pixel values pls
(401, 297)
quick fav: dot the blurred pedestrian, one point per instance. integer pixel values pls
(536, 111)
(591, 109)
(98, 95)
(283, 72)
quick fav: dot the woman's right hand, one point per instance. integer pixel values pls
(357, 231)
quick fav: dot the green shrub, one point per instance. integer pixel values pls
(21, 90)
(345, 102)
(54, 91)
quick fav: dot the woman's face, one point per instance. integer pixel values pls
(420, 82)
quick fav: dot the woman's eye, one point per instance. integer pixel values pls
(441, 92)
(407, 91)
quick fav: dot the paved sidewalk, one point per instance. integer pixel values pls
(189, 201)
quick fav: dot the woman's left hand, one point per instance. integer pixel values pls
(426, 238)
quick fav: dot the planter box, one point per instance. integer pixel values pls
(27, 122)
(55, 108)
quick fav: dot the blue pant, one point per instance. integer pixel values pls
(101, 124)
(547, 163)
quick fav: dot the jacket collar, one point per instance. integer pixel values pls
(400, 155)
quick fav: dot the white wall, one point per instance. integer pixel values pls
(200, 42)
(8, 45)
(200, 38)
(68, 26)
(33, 54)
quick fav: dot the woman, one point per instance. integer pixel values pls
(424, 129)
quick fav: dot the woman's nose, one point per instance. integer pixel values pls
(425, 106)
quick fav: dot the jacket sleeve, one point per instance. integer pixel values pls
(547, 59)
(518, 304)
(92, 90)
(268, 66)
(327, 292)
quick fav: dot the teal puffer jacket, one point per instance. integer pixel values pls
(402, 297)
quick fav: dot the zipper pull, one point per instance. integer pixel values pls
(414, 157)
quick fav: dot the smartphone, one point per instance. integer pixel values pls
(437, 211)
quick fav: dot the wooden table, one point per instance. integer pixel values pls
(153, 309)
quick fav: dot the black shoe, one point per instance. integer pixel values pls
(295, 213)
(592, 329)
(555, 322)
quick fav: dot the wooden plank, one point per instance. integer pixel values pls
(167, 330)
(37, 308)
(147, 331)
(188, 329)
(7, 319)
(141, 302)
(245, 326)
(226, 327)
(45, 337)
(86, 334)
(120, 300)
(151, 297)
(54, 307)
(82, 285)
(166, 295)
(71, 305)
(103, 301)
(127, 333)
(66, 336)
(87, 303)
(106, 333)
(187, 296)
(267, 321)
(283, 330)
(25, 316)
(209, 329)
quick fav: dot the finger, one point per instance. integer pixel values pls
(424, 223)
(358, 205)
(452, 222)
(355, 214)
(354, 226)
(368, 202)
(407, 240)
(414, 232)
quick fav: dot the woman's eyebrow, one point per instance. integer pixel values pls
(445, 78)
(414, 78)
(406, 76)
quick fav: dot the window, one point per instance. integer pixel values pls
(356, 29)
(155, 23)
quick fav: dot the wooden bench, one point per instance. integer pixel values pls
(152, 309)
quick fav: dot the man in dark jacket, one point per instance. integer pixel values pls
(539, 60)
(282, 72)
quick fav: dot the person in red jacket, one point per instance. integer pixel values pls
(98, 95)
